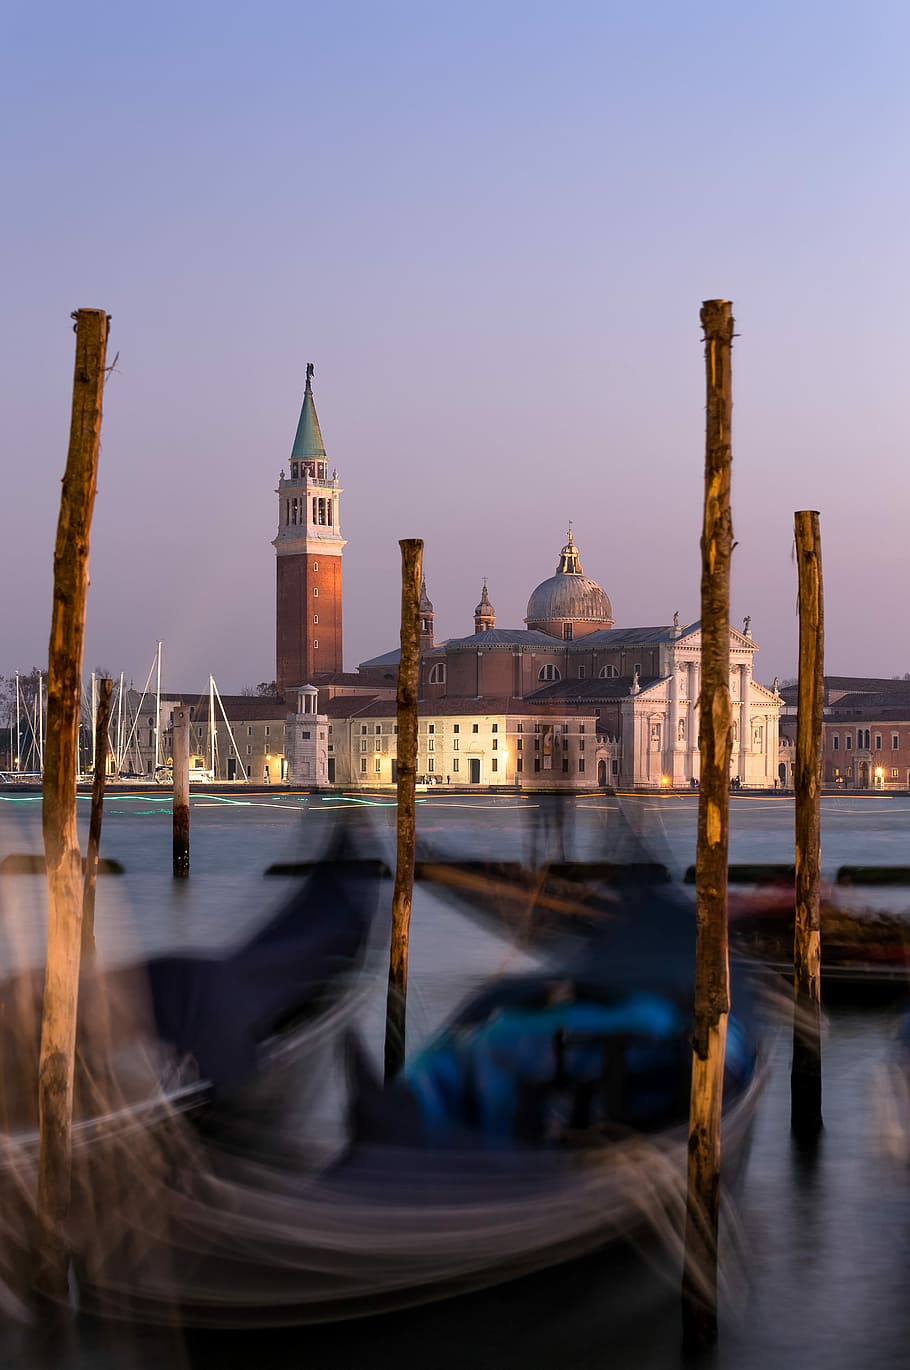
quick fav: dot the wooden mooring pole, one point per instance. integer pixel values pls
(712, 986)
(806, 1069)
(181, 767)
(61, 838)
(408, 682)
(102, 721)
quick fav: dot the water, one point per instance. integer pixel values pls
(819, 1256)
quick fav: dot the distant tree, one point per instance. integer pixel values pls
(265, 689)
(28, 687)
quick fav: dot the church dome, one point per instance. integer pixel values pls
(569, 597)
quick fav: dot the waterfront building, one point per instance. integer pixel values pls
(639, 685)
(492, 742)
(865, 732)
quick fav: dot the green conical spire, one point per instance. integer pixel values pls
(308, 440)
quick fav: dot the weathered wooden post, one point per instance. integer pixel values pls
(806, 1069)
(408, 681)
(181, 759)
(712, 987)
(100, 749)
(61, 838)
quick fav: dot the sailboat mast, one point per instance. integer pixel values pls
(18, 729)
(158, 713)
(94, 716)
(212, 721)
(40, 723)
(119, 761)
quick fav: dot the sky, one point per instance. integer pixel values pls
(490, 226)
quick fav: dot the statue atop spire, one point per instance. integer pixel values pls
(569, 563)
(308, 444)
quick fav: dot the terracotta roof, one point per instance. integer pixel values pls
(591, 691)
(346, 707)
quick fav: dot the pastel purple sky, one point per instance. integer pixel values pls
(490, 225)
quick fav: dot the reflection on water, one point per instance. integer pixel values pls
(823, 1242)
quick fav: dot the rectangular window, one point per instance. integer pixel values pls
(893, 772)
(495, 743)
(565, 727)
(520, 765)
(835, 742)
(614, 767)
(315, 591)
(895, 742)
(495, 728)
(431, 744)
(377, 745)
(878, 742)
(475, 727)
(567, 632)
(518, 743)
(363, 728)
(455, 763)
(637, 668)
(455, 741)
(395, 730)
(304, 735)
(495, 764)
(848, 743)
(519, 727)
(537, 763)
(581, 765)
(249, 751)
(565, 763)
(378, 729)
(363, 744)
(266, 730)
(431, 763)
(431, 728)
(378, 764)
(456, 727)
(363, 763)
(581, 727)
(537, 744)
(581, 673)
(249, 732)
(581, 744)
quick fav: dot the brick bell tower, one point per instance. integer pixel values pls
(308, 547)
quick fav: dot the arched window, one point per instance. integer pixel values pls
(549, 672)
(438, 673)
(315, 565)
(608, 672)
(315, 618)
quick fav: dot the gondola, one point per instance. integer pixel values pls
(545, 1121)
(194, 1034)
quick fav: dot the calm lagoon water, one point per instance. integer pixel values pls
(818, 1256)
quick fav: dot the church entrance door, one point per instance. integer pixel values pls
(601, 772)
(475, 769)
